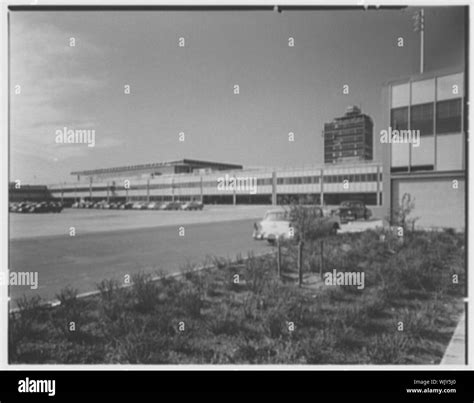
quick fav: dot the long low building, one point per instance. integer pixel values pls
(327, 184)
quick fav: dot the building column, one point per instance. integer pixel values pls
(148, 190)
(172, 189)
(274, 188)
(234, 196)
(378, 186)
(321, 188)
(201, 191)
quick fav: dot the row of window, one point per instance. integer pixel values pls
(344, 131)
(344, 140)
(352, 178)
(448, 117)
(413, 168)
(295, 180)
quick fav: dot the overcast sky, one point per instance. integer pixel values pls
(190, 89)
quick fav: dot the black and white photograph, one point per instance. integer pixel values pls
(243, 186)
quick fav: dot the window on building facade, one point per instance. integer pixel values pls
(421, 118)
(399, 118)
(448, 116)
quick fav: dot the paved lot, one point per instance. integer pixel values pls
(86, 259)
(88, 221)
(110, 243)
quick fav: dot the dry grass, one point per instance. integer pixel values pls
(249, 321)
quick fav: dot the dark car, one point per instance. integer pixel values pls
(173, 205)
(23, 207)
(13, 207)
(56, 207)
(126, 206)
(192, 205)
(39, 208)
(351, 210)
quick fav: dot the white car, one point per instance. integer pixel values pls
(276, 224)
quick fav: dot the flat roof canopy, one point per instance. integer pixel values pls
(194, 164)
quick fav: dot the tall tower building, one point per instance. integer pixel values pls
(349, 138)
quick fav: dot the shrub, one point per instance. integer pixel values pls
(144, 292)
(22, 324)
(388, 348)
(401, 213)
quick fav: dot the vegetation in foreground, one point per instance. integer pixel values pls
(242, 313)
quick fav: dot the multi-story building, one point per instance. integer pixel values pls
(322, 184)
(349, 138)
(432, 171)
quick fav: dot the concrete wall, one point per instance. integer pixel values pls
(437, 202)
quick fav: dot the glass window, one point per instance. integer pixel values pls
(448, 116)
(399, 118)
(421, 118)
(276, 216)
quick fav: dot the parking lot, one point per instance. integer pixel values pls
(86, 221)
(112, 243)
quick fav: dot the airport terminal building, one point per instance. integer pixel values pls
(205, 181)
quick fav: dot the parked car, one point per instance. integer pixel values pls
(23, 207)
(173, 205)
(98, 204)
(101, 204)
(49, 206)
(41, 207)
(126, 206)
(139, 205)
(277, 224)
(351, 210)
(56, 207)
(192, 205)
(152, 206)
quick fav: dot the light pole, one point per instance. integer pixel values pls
(419, 26)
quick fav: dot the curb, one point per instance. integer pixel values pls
(54, 303)
(455, 352)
